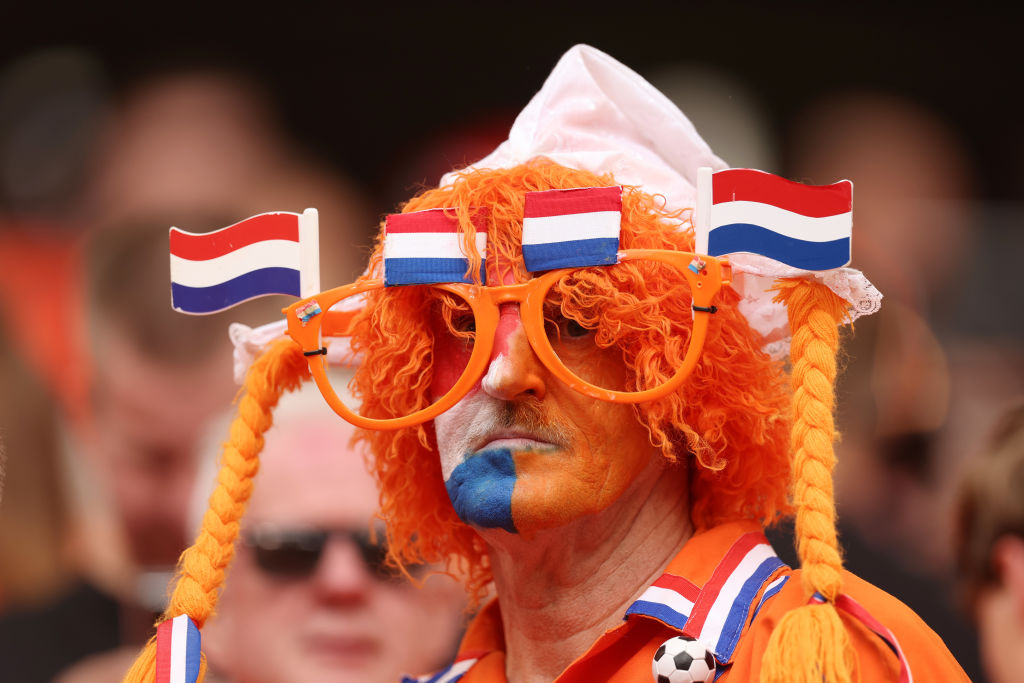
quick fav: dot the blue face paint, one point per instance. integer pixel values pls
(480, 488)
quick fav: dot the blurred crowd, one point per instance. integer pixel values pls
(108, 398)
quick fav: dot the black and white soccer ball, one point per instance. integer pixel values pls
(683, 660)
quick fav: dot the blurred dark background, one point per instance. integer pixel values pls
(363, 85)
(118, 120)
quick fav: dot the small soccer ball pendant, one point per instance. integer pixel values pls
(683, 660)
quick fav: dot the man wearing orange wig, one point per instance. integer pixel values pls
(591, 416)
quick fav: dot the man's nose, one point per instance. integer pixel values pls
(342, 575)
(514, 370)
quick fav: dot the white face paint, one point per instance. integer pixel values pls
(497, 368)
(452, 428)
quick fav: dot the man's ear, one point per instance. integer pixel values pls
(1008, 558)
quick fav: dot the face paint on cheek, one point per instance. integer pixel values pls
(480, 488)
(554, 489)
(450, 358)
(448, 367)
(553, 492)
(480, 480)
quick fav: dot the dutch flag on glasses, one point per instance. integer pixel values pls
(272, 253)
(571, 228)
(425, 247)
(177, 651)
(804, 226)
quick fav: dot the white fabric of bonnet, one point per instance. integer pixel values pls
(594, 113)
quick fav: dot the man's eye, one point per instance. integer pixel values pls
(559, 326)
(464, 323)
(567, 328)
(572, 329)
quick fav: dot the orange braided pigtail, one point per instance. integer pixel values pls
(810, 644)
(202, 566)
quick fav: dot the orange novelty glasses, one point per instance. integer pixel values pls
(573, 319)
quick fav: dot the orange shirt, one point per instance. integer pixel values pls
(728, 590)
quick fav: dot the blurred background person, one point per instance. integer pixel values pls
(33, 520)
(207, 140)
(914, 229)
(309, 596)
(81, 153)
(920, 378)
(198, 148)
(129, 468)
(990, 547)
(53, 104)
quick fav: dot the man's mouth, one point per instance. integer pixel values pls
(514, 441)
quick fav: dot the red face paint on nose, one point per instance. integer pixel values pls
(509, 324)
(509, 321)
(451, 355)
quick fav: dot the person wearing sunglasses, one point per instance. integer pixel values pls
(310, 596)
(566, 398)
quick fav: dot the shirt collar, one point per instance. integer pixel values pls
(710, 591)
(715, 585)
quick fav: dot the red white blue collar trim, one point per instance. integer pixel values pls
(452, 673)
(717, 613)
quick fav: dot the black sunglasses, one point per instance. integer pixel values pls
(295, 553)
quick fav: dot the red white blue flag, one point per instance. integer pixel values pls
(571, 228)
(426, 247)
(177, 651)
(803, 226)
(272, 253)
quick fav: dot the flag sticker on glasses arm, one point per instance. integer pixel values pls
(177, 651)
(571, 228)
(426, 247)
(271, 253)
(803, 226)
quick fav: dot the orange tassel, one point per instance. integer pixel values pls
(809, 645)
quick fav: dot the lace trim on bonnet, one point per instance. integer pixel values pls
(753, 277)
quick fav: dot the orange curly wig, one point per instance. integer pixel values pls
(732, 414)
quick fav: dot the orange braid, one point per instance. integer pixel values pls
(810, 644)
(202, 566)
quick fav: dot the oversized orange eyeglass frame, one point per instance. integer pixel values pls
(705, 282)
